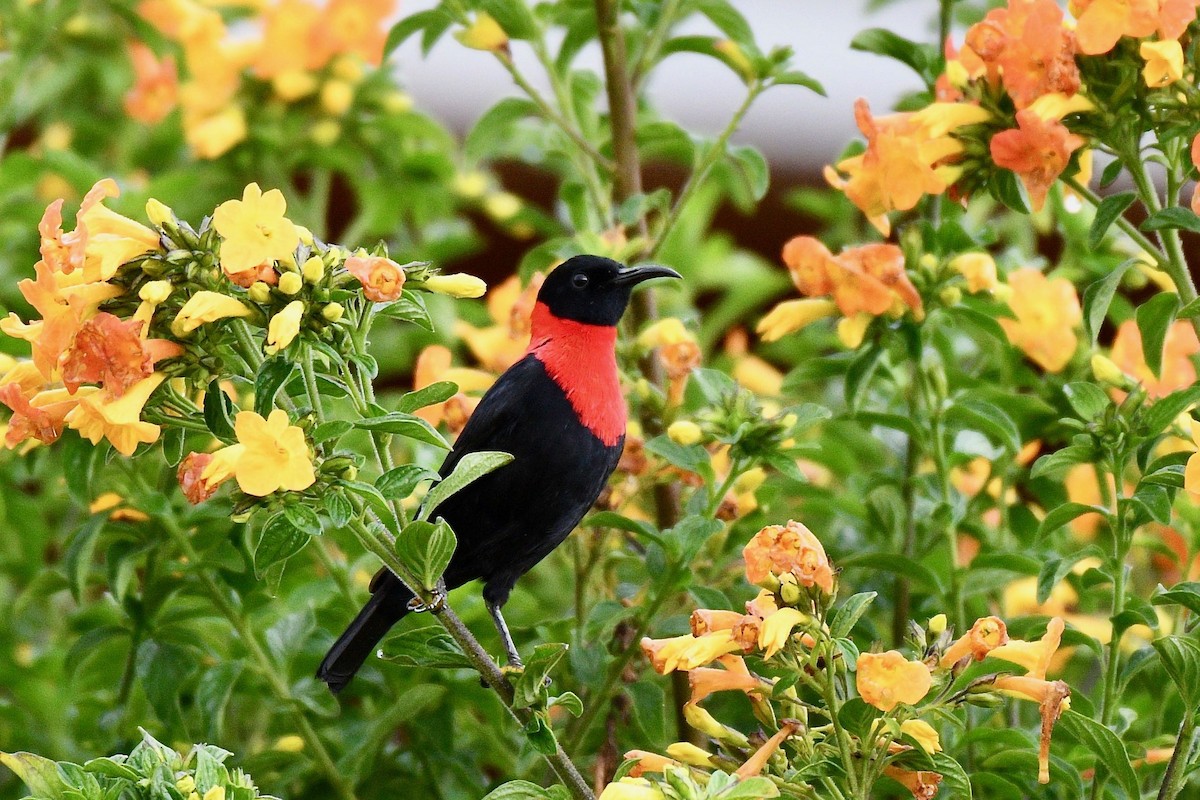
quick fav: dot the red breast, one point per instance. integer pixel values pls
(581, 359)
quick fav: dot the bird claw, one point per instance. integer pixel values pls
(435, 605)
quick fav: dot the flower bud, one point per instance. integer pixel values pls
(688, 753)
(937, 624)
(259, 292)
(158, 213)
(851, 330)
(155, 292)
(470, 185)
(305, 234)
(348, 67)
(397, 102)
(336, 97)
(928, 262)
(502, 206)
(951, 295)
(290, 743)
(332, 312)
(789, 589)
(313, 269)
(186, 784)
(290, 282)
(457, 285)
(483, 34)
(685, 432)
(1105, 370)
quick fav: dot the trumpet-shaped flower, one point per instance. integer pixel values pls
(204, 307)
(382, 279)
(924, 734)
(111, 352)
(687, 652)
(1026, 47)
(978, 268)
(353, 27)
(866, 279)
(191, 478)
(985, 635)
(254, 230)
(1178, 371)
(100, 415)
(922, 783)
(1037, 150)
(39, 415)
(271, 454)
(1103, 22)
(632, 789)
(1047, 311)
(794, 315)
(758, 759)
(735, 677)
(111, 239)
(1164, 62)
(885, 680)
(155, 85)
(213, 135)
(776, 629)
(788, 548)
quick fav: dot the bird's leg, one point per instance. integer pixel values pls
(436, 604)
(510, 649)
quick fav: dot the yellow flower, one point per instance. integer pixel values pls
(254, 230)
(924, 734)
(648, 762)
(214, 135)
(793, 315)
(457, 285)
(114, 503)
(985, 635)
(851, 330)
(284, 326)
(776, 629)
(215, 793)
(631, 789)
(788, 548)
(978, 268)
(885, 680)
(204, 307)
(272, 455)
(687, 652)
(112, 239)
(336, 97)
(99, 416)
(690, 754)
(1034, 656)
(685, 432)
(1164, 62)
(1047, 311)
(293, 84)
(483, 34)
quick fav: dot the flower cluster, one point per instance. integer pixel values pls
(137, 326)
(304, 51)
(784, 630)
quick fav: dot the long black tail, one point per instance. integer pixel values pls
(388, 604)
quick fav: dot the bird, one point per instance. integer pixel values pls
(560, 413)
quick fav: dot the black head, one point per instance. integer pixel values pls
(593, 289)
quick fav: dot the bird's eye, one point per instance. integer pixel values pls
(579, 280)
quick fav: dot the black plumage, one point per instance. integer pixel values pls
(561, 417)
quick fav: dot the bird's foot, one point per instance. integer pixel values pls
(512, 670)
(436, 603)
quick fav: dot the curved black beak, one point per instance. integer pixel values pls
(635, 275)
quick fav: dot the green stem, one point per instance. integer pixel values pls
(310, 386)
(829, 690)
(654, 43)
(1176, 776)
(266, 667)
(696, 179)
(1127, 227)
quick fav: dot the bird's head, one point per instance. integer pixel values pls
(595, 290)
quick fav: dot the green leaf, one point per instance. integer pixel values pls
(430, 395)
(518, 790)
(1055, 569)
(303, 518)
(471, 468)
(884, 42)
(749, 162)
(279, 541)
(495, 126)
(39, 774)
(1181, 659)
(756, 788)
(1053, 465)
(1175, 217)
(728, 19)
(80, 549)
(1098, 297)
(1088, 400)
(1108, 749)
(896, 564)
(402, 424)
(1186, 594)
(112, 768)
(796, 78)
(399, 483)
(987, 418)
(428, 646)
(686, 457)
(856, 716)
(1008, 189)
(1166, 409)
(530, 687)
(850, 612)
(426, 549)
(1107, 212)
(333, 429)
(956, 782)
(174, 445)
(410, 308)
(213, 693)
(1066, 513)
(514, 17)
(1154, 318)
(218, 412)
(80, 459)
(410, 25)
(272, 376)
(568, 701)
(338, 508)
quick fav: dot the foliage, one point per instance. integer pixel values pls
(944, 542)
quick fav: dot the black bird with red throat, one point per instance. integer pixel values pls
(559, 411)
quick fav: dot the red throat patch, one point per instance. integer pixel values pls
(581, 359)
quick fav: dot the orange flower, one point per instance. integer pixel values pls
(503, 343)
(866, 279)
(1174, 16)
(1103, 22)
(109, 351)
(1051, 696)
(885, 680)
(40, 416)
(351, 26)
(433, 365)
(706, 680)
(648, 762)
(381, 278)
(1027, 48)
(705, 620)
(155, 85)
(923, 784)
(1178, 371)
(1047, 312)
(758, 760)
(287, 27)
(985, 635)
(191, 480)
(907, 157)
(790, 548)
(1038, 150)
